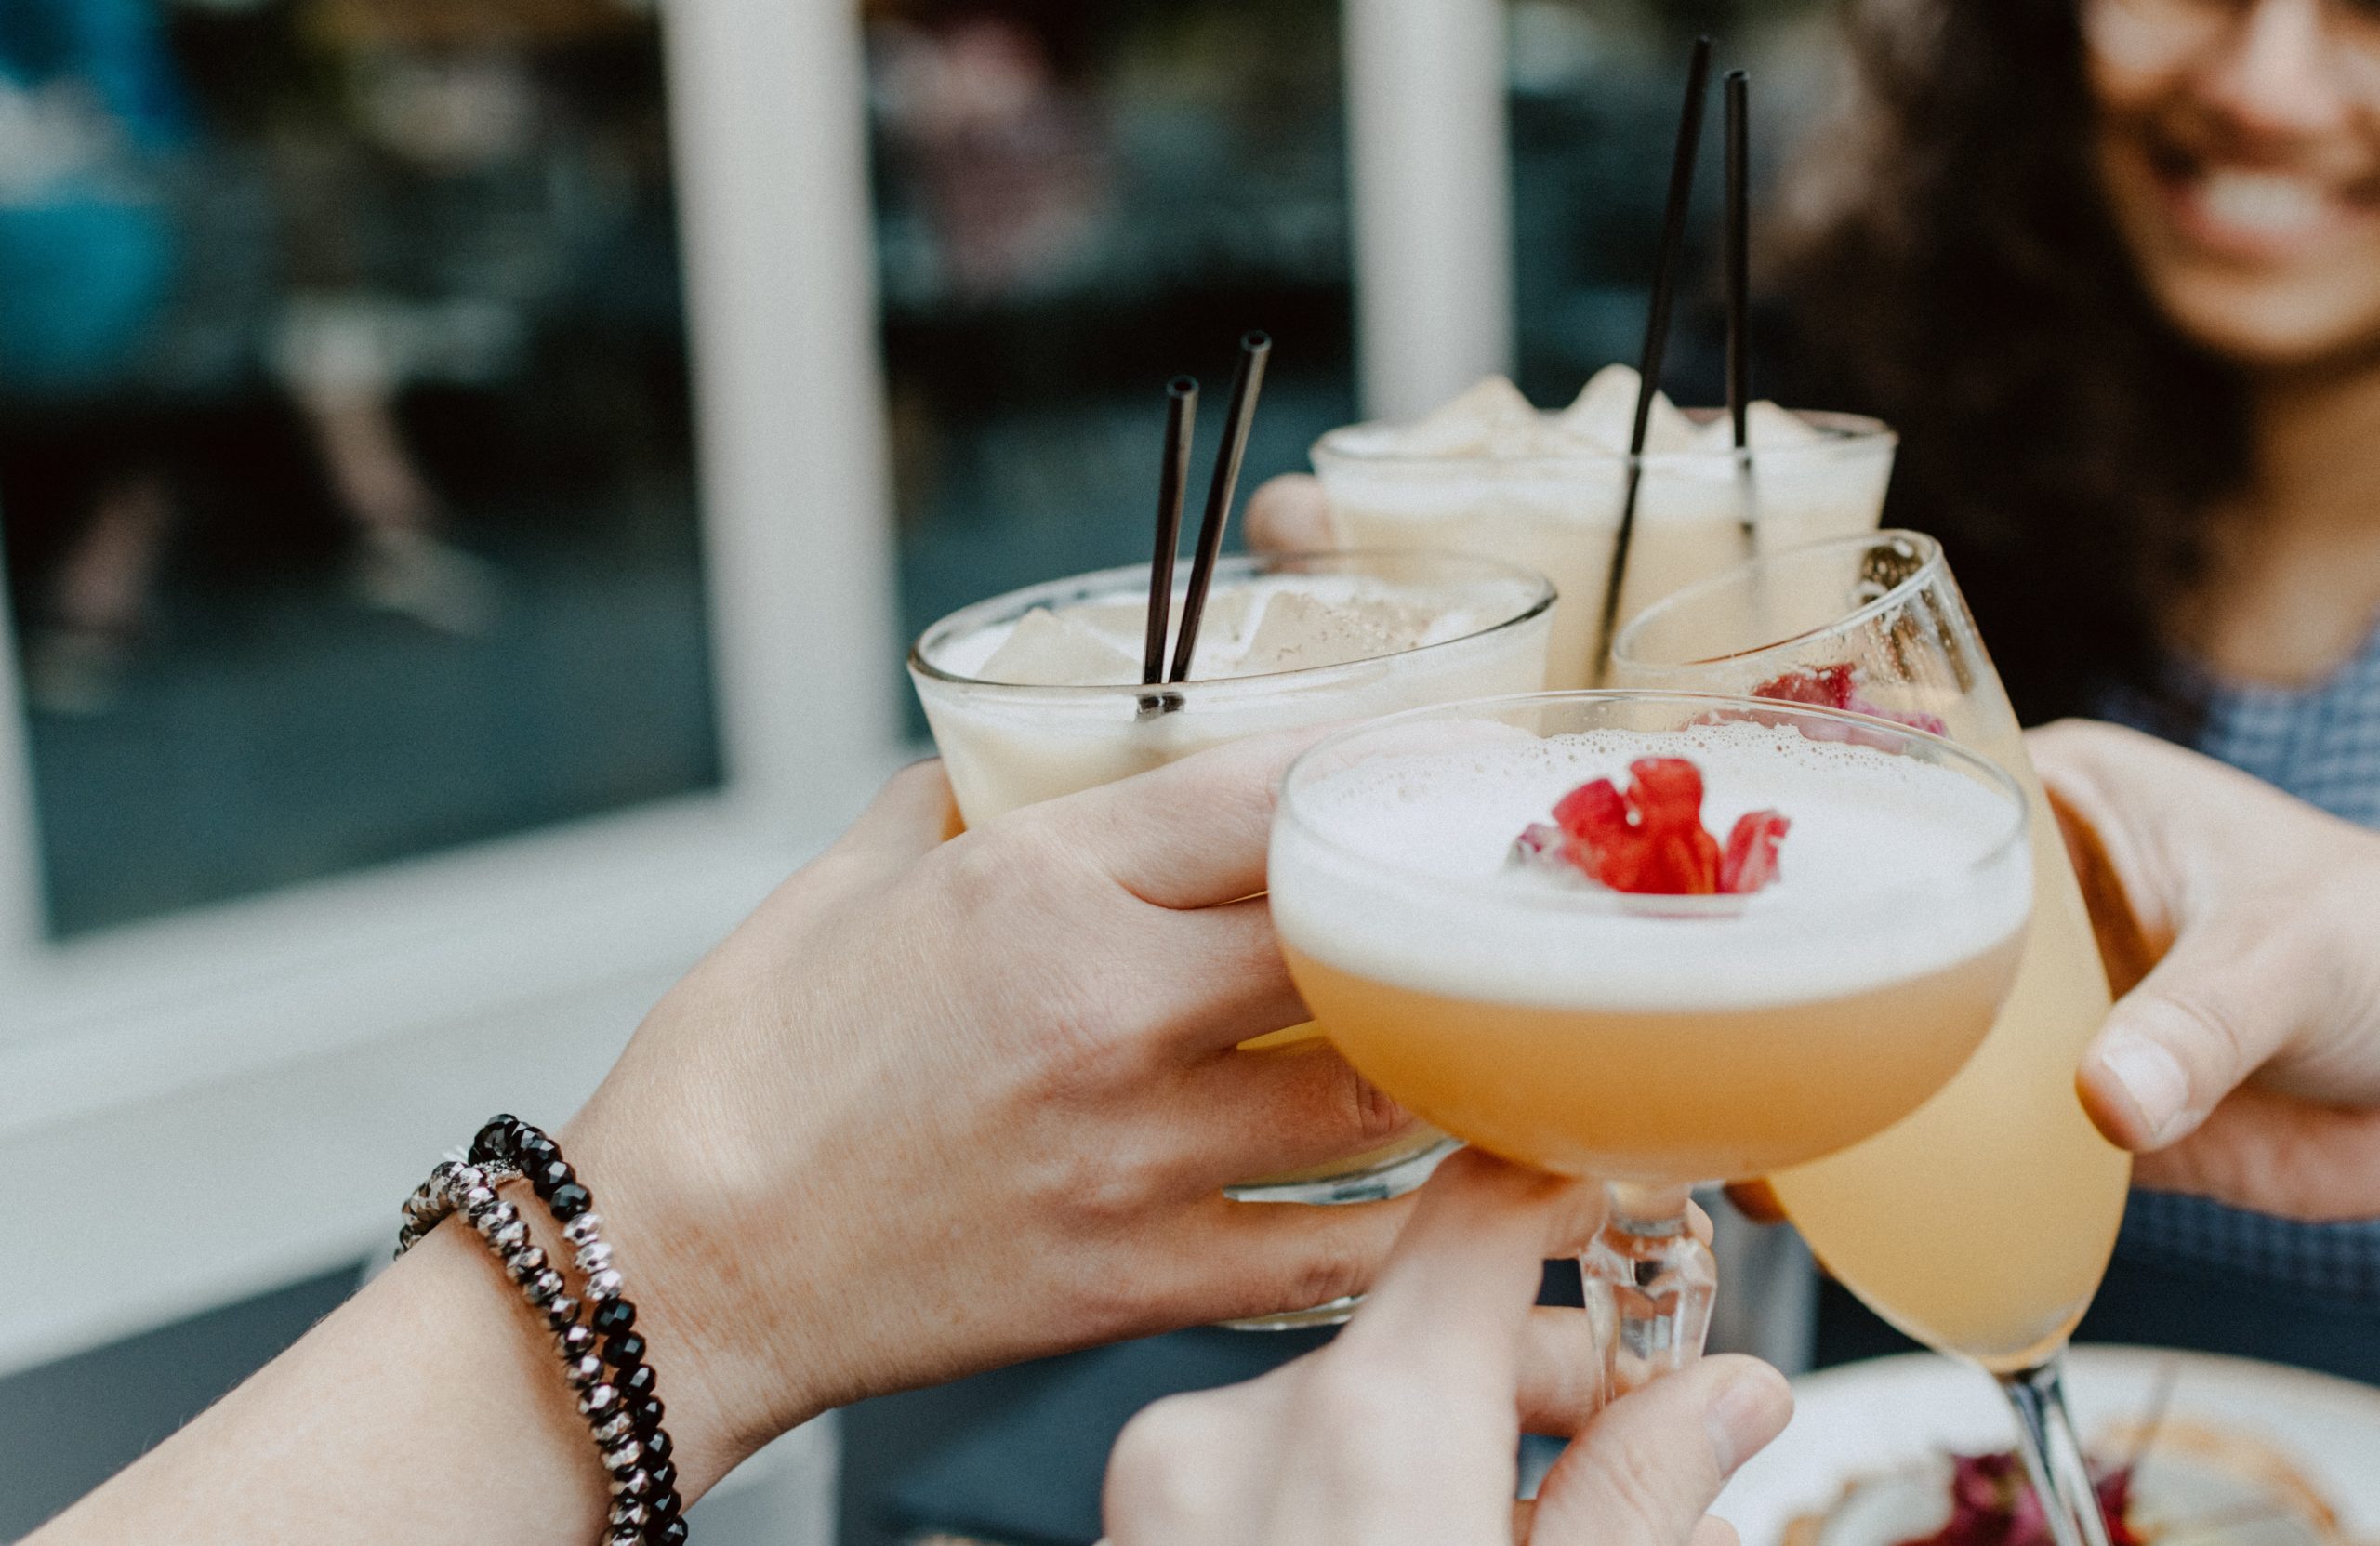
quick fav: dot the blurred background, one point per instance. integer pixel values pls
(469, 469)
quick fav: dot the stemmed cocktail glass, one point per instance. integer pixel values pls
(1653, 1040)
(1981, 1224)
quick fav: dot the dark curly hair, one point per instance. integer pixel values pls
(1950, 266)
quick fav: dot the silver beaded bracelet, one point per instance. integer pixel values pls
(602, 1354)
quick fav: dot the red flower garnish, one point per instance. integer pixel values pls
(1837, 686)
(1650, 840)
(1992, 1505)
(1750, 862)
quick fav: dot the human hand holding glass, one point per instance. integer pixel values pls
(1402, 1431)
(2242, 1060)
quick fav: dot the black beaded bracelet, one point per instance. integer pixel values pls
(602, 1354)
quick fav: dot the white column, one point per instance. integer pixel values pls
(768, 101)
(21, 896)
(1433, 197)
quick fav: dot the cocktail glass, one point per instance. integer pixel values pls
(1655, 1041)
(1982, 1223)
(1006, 746)
(1698, 511)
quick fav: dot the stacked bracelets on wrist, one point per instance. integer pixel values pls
(602, 1356)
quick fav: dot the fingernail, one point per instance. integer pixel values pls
(1749, 1411)
(2152, 1080)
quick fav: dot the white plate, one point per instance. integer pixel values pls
(1859, 1419)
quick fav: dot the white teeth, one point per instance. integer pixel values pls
(2268, 203)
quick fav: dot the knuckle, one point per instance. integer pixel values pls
(1373, 1115)
(1330, 1269)
(988, 870)
(2208, 1036)
(1648, 1489)
(1162, 1473)
(1365, 1395)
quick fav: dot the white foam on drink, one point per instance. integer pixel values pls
(1254, 626)
(1397, 870)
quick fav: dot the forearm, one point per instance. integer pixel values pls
(428, 1408)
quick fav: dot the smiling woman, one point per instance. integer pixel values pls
(2241, 158)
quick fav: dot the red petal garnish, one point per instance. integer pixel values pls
(1750, 862)
(1819, 686)
(1650, 840)
(1837, 686)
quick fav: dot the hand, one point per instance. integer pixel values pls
(2241, 927)
(1290, 514)
(938, 1106)
(1405, 1428)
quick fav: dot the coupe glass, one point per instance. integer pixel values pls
(1981, 1224)
(1654, 1041)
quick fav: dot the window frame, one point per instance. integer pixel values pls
(256, 1078)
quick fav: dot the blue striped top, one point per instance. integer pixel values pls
(2320, 742)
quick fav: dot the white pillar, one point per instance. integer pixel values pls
(1432, 198)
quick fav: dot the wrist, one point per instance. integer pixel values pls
(725, 1320)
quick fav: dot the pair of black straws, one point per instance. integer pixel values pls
(1173, 485)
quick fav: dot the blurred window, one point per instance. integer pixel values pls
(1594, 90)
(345, 458)
(1076, 200)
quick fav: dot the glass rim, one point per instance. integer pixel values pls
(1930, 569)
(993, 609)
(1841, 431)
(2013, 836)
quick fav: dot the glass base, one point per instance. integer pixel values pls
(1335, 1312)
(1392, 1175)
(1388, 1178)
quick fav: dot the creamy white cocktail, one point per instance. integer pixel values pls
(1038, 693)
(1490, 474)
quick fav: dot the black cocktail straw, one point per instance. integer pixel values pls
(1738, 95)
(1657, 328)
(1247, 380)
(1173, 484)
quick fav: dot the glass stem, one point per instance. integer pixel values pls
(1650, 1284)
(2053, 1455)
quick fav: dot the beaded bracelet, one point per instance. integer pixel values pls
(603, 1355)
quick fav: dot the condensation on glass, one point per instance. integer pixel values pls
(345, 458)
(1075, 201)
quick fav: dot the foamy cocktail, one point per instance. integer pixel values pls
(1773, 999)
(1038, 693)
(1488, 473)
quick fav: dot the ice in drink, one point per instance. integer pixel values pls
(1658, 1040)
(1037, 693)
(1488, 473)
